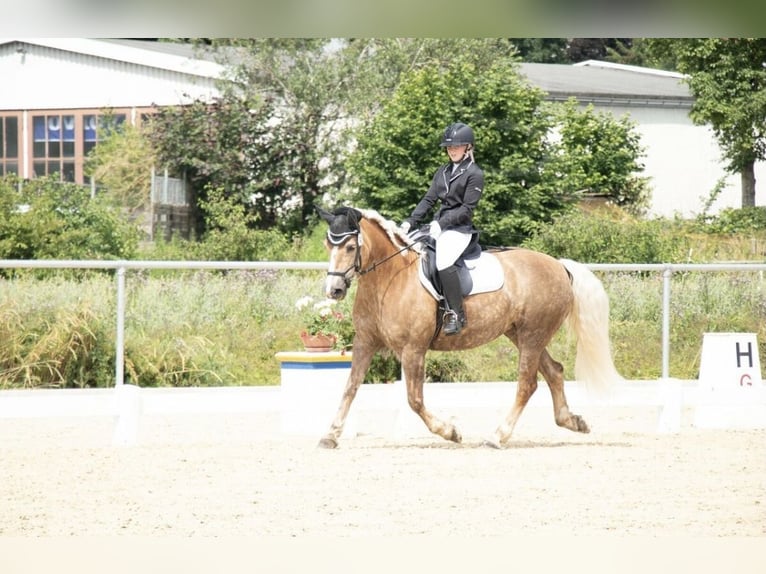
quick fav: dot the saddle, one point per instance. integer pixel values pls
(479, 271)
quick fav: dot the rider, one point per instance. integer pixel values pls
(458, 185)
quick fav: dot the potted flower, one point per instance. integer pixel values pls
(327, 325)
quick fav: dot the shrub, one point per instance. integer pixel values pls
(44, 218)
(593, 238)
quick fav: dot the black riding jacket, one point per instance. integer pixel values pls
(459, 192)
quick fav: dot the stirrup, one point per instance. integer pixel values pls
(452, 323)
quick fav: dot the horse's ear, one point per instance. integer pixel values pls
(326, 215)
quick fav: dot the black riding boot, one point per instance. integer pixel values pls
(454, 317)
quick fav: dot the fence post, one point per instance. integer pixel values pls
(119, 370)
(666, 274)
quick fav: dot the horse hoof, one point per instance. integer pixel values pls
(491, 444)
(328, 443)
(580, 424)
(455, 436)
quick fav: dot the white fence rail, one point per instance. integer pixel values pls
(120, 267)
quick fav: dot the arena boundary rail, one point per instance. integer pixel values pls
(121, 266)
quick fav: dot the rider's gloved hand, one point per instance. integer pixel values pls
(434, 229)
(405, 226)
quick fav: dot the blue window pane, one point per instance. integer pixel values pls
(38, 128)
(89, 125)
(68, 127)
(54, 128)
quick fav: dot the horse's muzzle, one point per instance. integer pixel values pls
(336, 286)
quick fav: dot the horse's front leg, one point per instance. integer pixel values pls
(359, 365)
(413, 364)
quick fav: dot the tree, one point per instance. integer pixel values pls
(305, 81)
(581, 49)
(529, 176)
(208, 142)
(543, 50)
(728, 80)
(600, 154)
(278, 137)
(399, 151)
(122, 163)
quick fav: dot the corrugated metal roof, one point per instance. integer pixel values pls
(595, 81)
(150, 54)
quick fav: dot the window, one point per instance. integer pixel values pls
(53, 148)
(9, 145)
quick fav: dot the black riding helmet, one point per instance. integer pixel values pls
(457, 134)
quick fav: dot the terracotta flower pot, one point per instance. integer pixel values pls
(318, 343)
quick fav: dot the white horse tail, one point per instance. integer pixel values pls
(589, 320)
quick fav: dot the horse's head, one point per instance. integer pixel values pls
(344, 242)
(357, 248)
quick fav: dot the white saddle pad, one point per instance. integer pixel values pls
(486, 273)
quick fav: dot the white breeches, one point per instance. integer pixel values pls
(449, 247)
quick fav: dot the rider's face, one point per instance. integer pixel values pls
(456, 152)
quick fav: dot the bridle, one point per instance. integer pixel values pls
(337, 239)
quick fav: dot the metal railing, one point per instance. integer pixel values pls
(120, 267)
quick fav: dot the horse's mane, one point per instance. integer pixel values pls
(395, 233)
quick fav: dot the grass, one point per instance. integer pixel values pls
(223, 328)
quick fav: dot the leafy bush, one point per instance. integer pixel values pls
(600, 154)
(44, 218)
(594, 238)
(741, 220)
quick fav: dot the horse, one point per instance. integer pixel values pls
(393, 310)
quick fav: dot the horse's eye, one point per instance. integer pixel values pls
(350, 247)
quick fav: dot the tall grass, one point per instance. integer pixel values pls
(223, 328)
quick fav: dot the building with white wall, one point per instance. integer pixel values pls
(683, 161)
(55, 92)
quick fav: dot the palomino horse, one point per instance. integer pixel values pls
(393, 310)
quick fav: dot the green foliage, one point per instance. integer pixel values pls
(44, 218)
(593, 238)
(447, 368)
(528, 178)
(232, 233)
(399, 151)
(56, 333)
(121, 164)
(732, 221)
(384, 368)
(727, 78)
(599, 154)
(208, 328)
(275, 139)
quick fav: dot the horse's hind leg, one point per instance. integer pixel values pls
(554, 375)
(527, 385)
(413, 365)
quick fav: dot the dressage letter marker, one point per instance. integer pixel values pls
(731, 390)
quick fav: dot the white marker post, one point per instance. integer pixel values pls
(731, 391)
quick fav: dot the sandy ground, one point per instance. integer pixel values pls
(237, 475)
